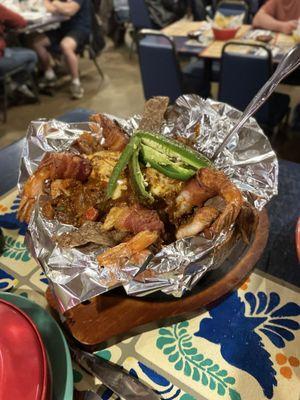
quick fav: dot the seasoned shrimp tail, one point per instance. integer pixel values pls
(118, 255)
(32, 188)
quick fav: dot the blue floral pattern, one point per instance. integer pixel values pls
(10, 221)
(237, 332)
(7, 281)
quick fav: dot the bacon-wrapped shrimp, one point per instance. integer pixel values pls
(114, 136)
(52, 166)
(208, 183)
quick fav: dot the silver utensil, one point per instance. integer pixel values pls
(113, 376)
(287, 65)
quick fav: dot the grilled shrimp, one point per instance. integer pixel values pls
(130, 250)
(201, 220)
(220, 184)
(52, 166)
(193, 194)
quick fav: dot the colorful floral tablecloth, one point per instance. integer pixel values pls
(247, 347)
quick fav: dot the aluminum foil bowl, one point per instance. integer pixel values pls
(74, 274)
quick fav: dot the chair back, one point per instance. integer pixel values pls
(139, 14)
(160, 71)
(198, 10)
(234, 7)
(242, 75)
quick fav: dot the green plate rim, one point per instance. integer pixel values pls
(68, 395)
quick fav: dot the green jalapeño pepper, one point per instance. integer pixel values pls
(174, 150)
(137, 179)
(163, 164)
(121, 164)
(166, 155)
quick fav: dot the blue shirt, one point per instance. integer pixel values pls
(81, 21)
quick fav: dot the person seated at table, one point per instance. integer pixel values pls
(14, 57)
(278, 15)
(69, 38)
(164, 12)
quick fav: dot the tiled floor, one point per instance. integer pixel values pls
(120, 94)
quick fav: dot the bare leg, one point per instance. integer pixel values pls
(40, 45)
(68, 47)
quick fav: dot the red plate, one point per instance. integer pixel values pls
(23, 359)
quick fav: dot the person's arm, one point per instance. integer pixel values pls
(49, 6)
(264, 19)
(68, 9)
(11, 19)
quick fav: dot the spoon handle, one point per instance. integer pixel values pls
(288, 64)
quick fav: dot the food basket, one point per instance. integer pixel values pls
(193, 266)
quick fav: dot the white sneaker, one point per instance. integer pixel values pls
(24, 89)
(76, 91)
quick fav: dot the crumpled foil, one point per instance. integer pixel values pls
(74, 274)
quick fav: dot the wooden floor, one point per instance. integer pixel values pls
(119, 94)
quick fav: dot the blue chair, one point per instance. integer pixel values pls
(241, 77)
(140, 19)
(160, 70)
(139, 15)
(234, 7)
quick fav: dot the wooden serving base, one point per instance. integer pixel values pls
(113, 315)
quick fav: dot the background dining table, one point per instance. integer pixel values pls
(45, 22)
(243, 347)
(211, 49)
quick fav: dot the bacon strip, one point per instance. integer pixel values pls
(66, 166)
(133, 219)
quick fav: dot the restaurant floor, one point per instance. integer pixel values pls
(121, 94)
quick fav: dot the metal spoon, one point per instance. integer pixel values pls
(288, 64)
